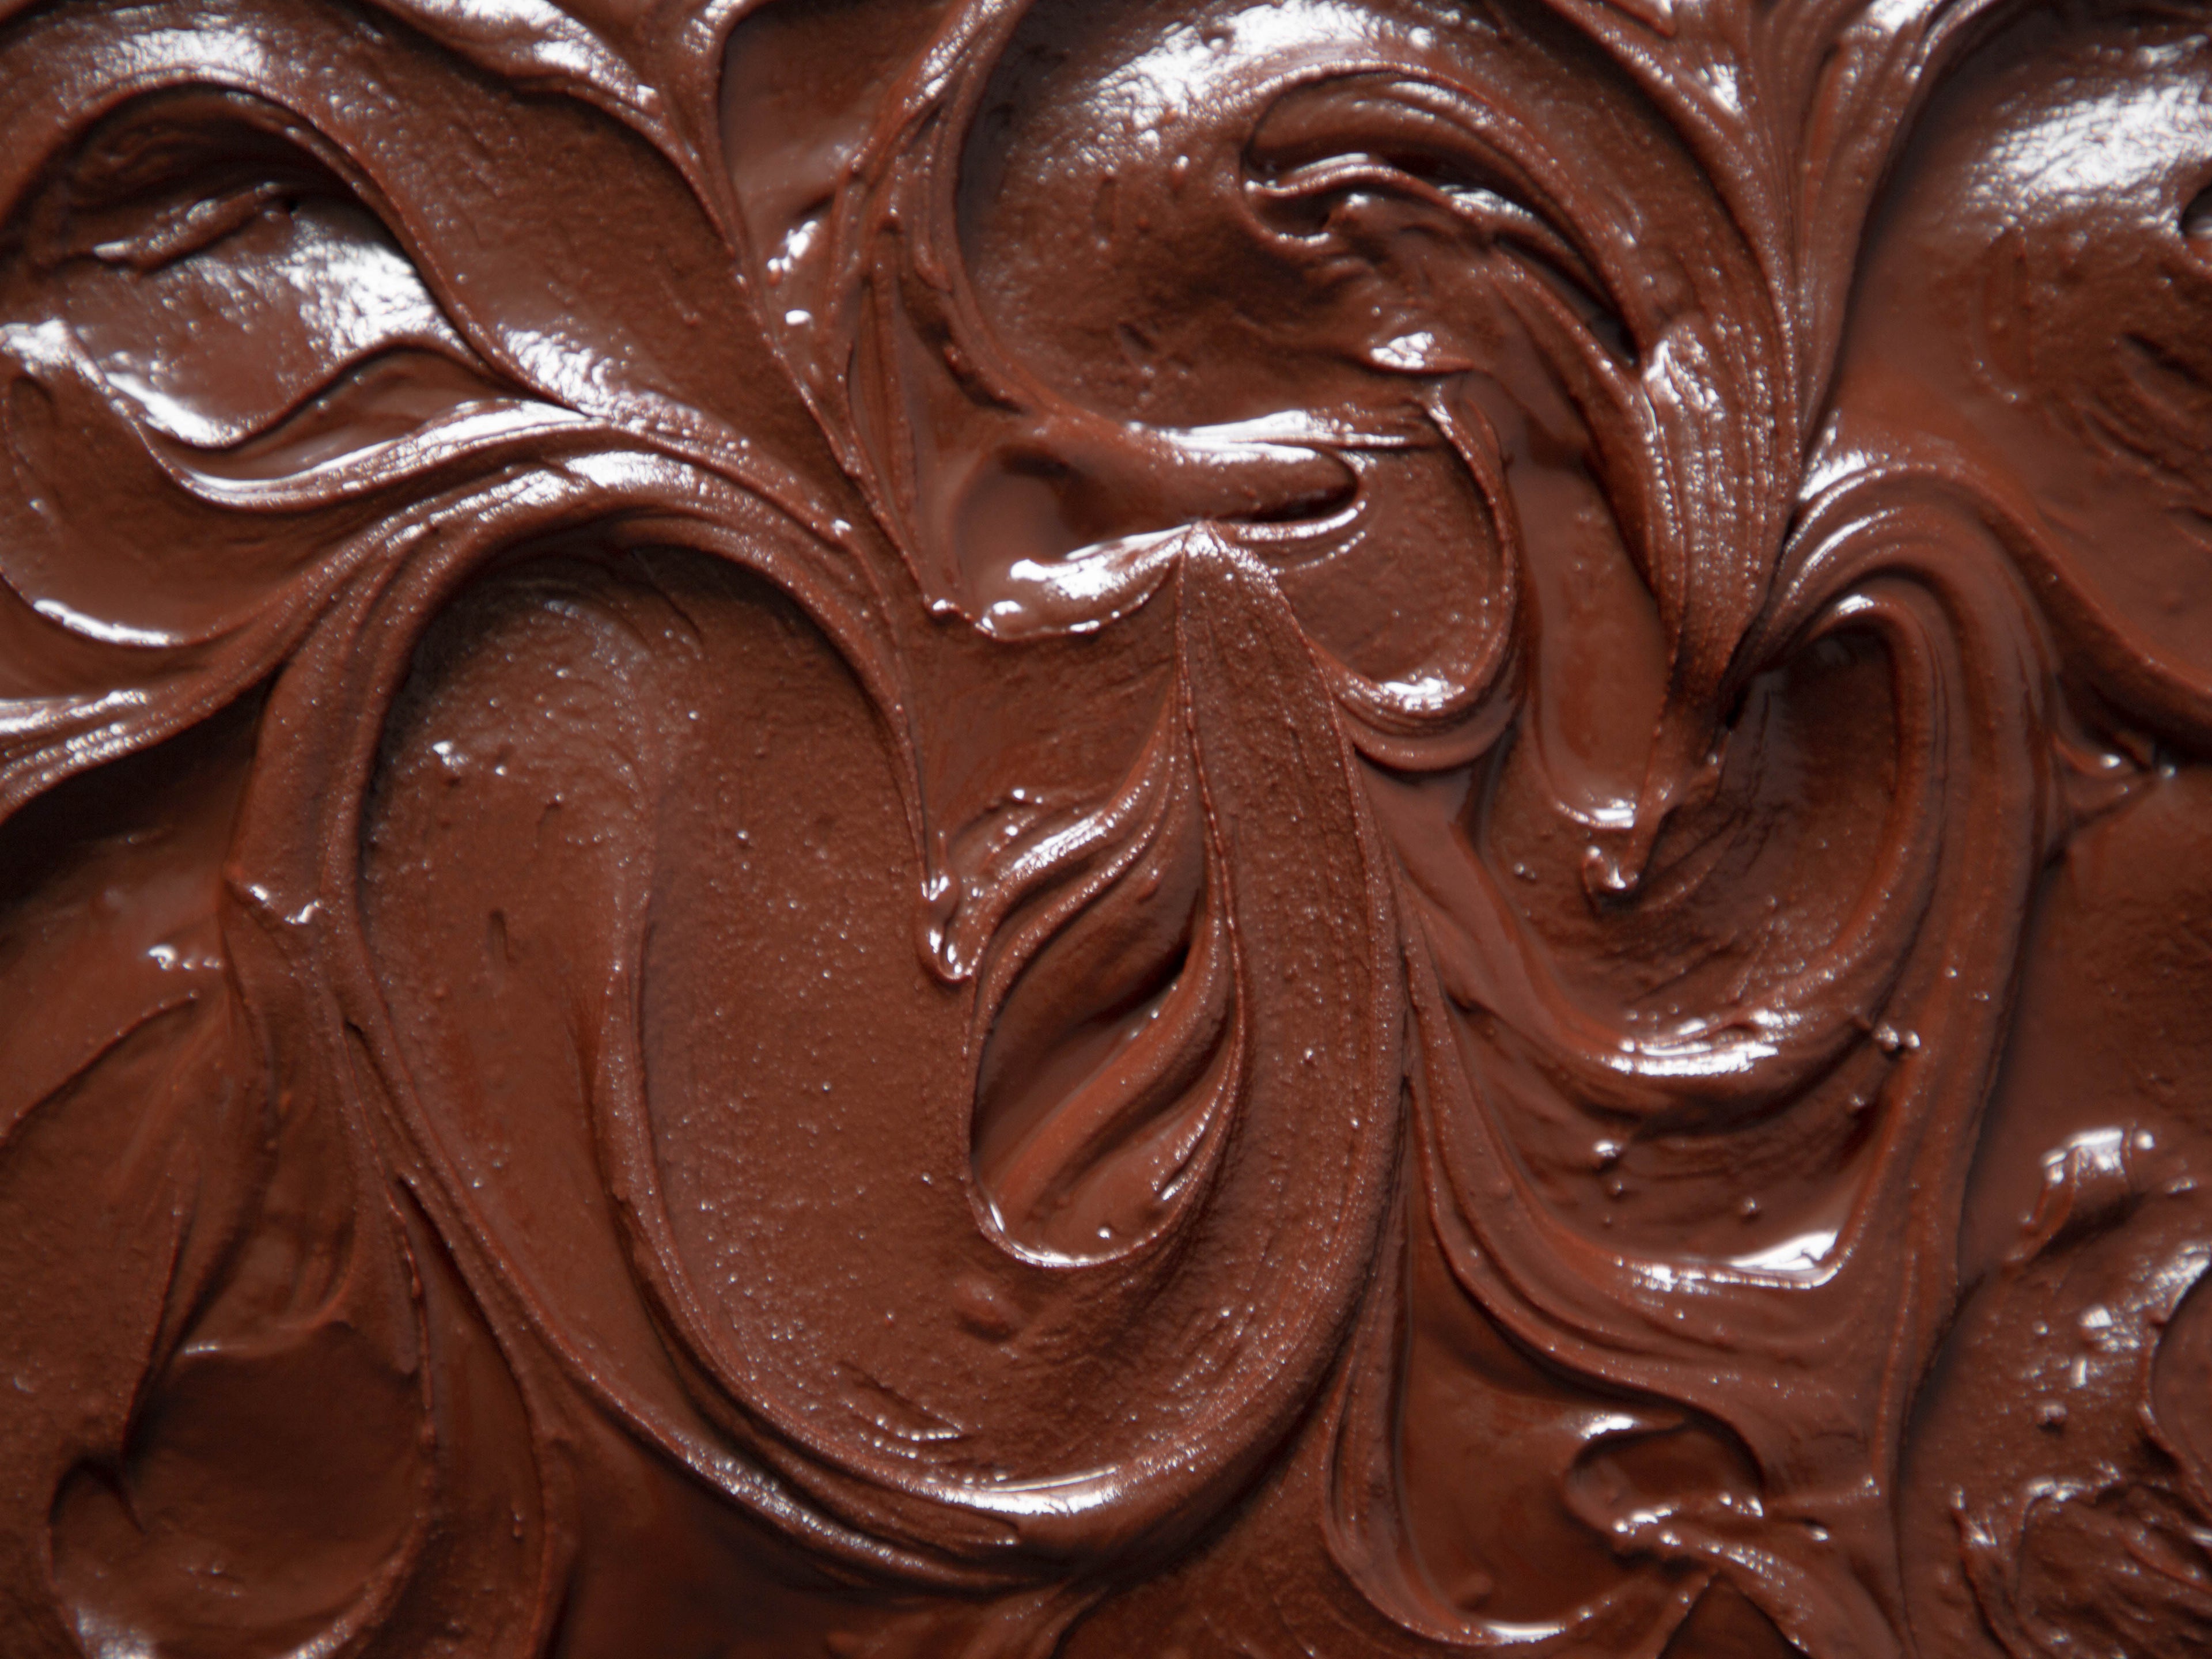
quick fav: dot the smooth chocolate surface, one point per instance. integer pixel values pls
(1096, 828)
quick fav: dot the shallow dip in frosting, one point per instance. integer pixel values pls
(1098, 828)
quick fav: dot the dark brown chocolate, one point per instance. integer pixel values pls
(1200, 828)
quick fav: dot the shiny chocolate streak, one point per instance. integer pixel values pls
(1105, 828)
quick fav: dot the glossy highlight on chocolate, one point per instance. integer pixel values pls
(1019, 827)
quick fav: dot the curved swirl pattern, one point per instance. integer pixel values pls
(1076, 827)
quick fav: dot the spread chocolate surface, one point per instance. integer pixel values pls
(1018, 827)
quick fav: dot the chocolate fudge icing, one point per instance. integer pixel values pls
(1105, 827)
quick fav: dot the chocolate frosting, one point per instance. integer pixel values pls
(1101, 827)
